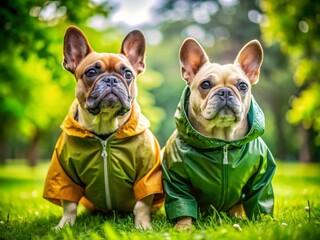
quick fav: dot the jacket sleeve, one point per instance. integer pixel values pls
(58, 185)
(259, 197)
(149, 176)
(179, 199)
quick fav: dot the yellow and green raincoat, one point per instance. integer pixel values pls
(111, 174)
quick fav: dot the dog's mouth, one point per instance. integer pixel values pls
(106, 99)
(222, 110)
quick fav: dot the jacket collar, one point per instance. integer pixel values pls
(137, 123)
(191, 136)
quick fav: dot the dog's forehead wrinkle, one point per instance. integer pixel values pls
(106, 61)
(231, 75)
(227, 74)
(109, 61)
(209, 68)
(214, 69)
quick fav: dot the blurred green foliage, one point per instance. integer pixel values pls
(35, 92)
(295, 25)
(288, 87)
(222, 28)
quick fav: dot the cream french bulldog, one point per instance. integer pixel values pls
(220, 94)
(213, 131)
(106, 156)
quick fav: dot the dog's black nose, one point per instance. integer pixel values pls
(111, 81)
(225, 92)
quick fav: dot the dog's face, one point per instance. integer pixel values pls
(105, 81)
(220, 94)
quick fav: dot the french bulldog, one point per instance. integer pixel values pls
(220, 94)
(216, 104)
(105, 112)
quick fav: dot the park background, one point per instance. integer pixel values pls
(35, 95)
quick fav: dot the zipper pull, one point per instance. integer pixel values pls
(225, 154)
(104, 149)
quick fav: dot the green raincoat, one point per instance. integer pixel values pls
(205, 173)
(109, 174)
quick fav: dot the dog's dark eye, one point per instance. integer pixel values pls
(205, 85)
(128, 75)
(91, 73)
(243, 87)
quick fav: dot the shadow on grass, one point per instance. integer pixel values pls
(9, 182)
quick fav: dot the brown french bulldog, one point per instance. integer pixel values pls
(106, 154)
(213, 132)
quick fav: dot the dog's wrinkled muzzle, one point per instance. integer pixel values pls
(109, 93)
(222, 104)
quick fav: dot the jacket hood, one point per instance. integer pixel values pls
(191, 136)
(136, 124)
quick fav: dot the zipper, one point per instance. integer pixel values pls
(104, 155)
(225, 154)
(224, 184)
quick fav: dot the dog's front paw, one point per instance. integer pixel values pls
(237, 211)
(143, 222)
(141, 213)
(69, 214)
(184, 223)
(68, 219)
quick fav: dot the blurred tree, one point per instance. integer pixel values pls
(295, 25)
(223, 27)
(35, 93)
(31, 83)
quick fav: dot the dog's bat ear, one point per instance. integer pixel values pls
(192, 57)
(134, 48)
(250, 59)
(76, 47)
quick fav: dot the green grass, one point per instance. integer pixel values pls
(24, 214)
